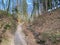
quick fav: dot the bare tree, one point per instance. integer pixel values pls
(46, 1)
(35, 7)
(8, 6)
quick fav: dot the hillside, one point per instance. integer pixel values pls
(7, 27)
(45, 29)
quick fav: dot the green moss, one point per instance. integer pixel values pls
(7, 26)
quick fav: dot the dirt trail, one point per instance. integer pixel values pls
(19, 38)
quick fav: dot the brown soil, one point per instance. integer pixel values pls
(7, 26)
(49, 22)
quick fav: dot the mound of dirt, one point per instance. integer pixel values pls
(44, 30)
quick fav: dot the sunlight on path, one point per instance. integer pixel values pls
(19, 36)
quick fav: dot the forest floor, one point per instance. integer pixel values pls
(11, 32)
(7, 28)
(44, 30)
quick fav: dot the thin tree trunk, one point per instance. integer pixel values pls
(8, 6)
(46, 5)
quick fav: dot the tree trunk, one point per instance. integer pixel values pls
(8, 6)
(46, 5)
